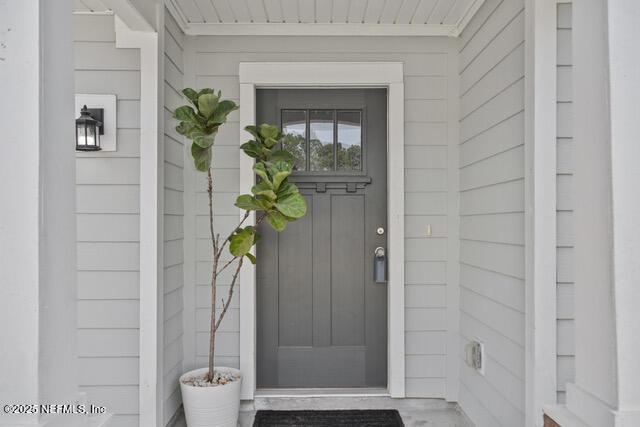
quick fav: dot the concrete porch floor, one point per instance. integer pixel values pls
(414, 412)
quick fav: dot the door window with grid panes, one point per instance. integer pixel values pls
(323, 141)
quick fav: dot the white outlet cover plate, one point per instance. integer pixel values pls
(108, 103)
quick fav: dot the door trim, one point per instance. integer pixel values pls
(388, 75)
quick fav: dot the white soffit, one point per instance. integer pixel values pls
(96, 7)
(324, 17)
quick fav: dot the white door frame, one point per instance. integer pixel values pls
(332, 74)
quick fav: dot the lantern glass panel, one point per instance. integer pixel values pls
(82, 134)
(91, 136)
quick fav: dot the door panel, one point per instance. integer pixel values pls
(347, 270)
(322, 319)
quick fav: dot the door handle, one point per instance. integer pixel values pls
(380, 265)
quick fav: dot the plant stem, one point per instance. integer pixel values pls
(228, 263)
(230, 295)
(217, 253)
(244, 218)
(212, 334)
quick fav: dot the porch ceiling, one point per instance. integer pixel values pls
(324, 17)
(314, 17)
(90, 6)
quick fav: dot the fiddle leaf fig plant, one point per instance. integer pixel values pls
(273, 198)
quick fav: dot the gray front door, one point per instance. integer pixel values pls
(322, 318)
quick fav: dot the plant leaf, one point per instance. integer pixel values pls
(268, 131)
(293, 206)
(254, 149)
(263, 189)
(253, 130)
(241, 241)
(251, 257)
(282, 156)
(207, 104)
(279, 171)
(276, 220)
(265, 203)
(201, 157)
(187, 128)
(287, 189)
(206, 90)
(202, 139)
(261, 186)
(248, 203)
(191, 95)
(185, 114)
(270, 142)
(222, 111)
(261, 171)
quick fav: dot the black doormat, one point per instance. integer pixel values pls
(353, 418)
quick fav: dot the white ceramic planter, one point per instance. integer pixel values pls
(211, 406)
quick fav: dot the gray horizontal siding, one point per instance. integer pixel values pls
(426, 98)
(108, 231)
(173, 63)
(491, 165)
(565, 273)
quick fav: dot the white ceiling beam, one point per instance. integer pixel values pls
(129, 14)
(319, 29)
(466, 17)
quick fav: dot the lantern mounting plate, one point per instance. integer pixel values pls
(98, 114)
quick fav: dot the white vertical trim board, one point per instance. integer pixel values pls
(624, 88)
(151, 230)
(190, 182)
(453, 232)
(248, 334)
(332, 74)
(540, 208)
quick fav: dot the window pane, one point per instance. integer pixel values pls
(349, 141)
(294, 127)
(321, 139)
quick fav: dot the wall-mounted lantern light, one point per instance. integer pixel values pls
(102, 107)
(89, 127)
